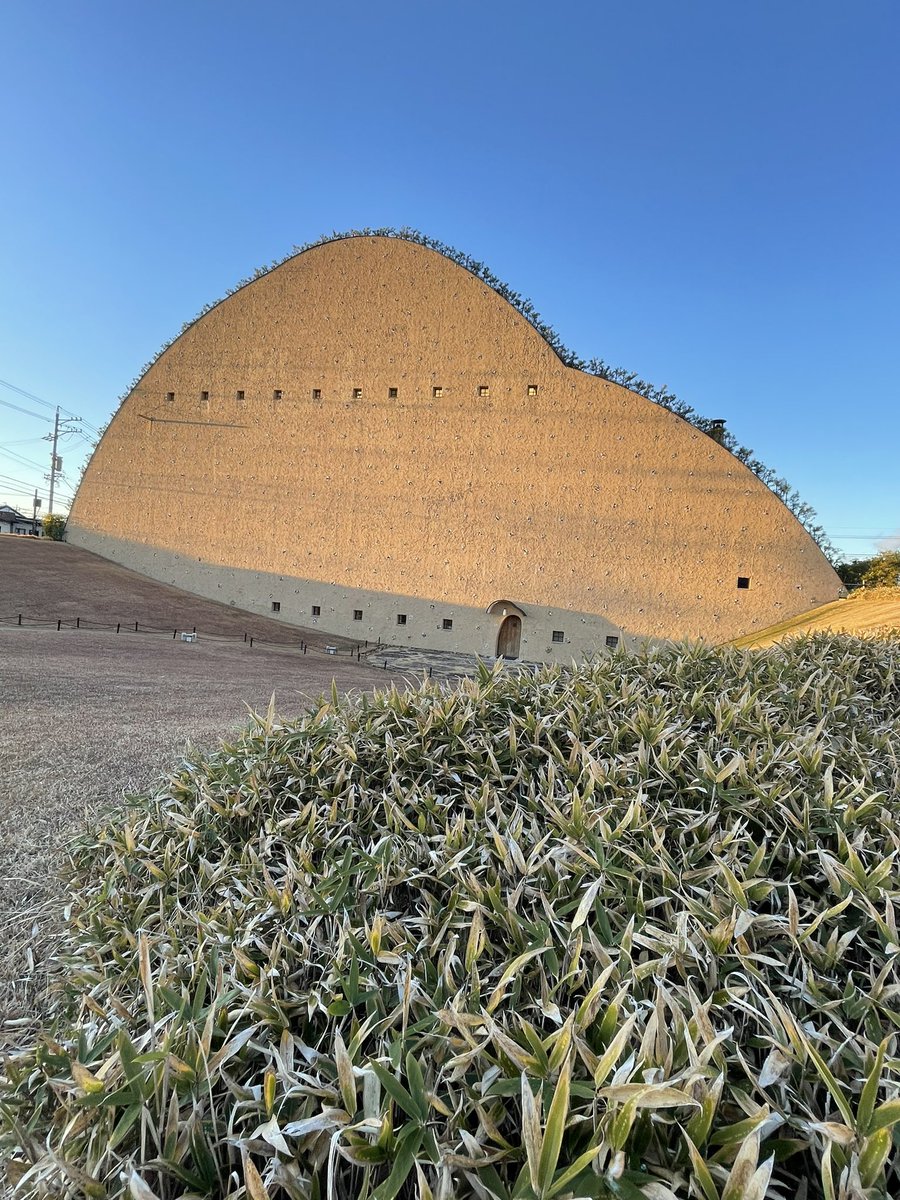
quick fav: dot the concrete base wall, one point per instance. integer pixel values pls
(474, 630)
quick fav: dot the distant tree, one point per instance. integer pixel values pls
(851, 573)
(54, 527)
(883, 570)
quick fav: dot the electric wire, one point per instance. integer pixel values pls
(46, 404)
(20, 458)
(26, 411)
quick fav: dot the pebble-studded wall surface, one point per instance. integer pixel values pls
(372, 432)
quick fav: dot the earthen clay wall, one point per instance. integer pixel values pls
(285, 470)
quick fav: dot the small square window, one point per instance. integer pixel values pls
(170, 396)
(558, 636)
(447, 623)
(612, 641)
(239, 395)
(743, 581)
(277, 394)
(484, 390)
(437, 392)
(532, 389)
(317, 393)
(357, 393)
(204, 396)
(357, 614)
(392, 393)
(316, 610)
(401, 618)
(276, 606)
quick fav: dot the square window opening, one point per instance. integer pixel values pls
(484, 390)
(532, 389)
(392, 393)
(612, 641)
(316, 610)
(437, 392)
(357, 614)
(239, 395)
(401, 618)
(204, 396)
(276, 606)
(170, 397)
(357, 393)
(447, 623)
(558, 636)
(317, 393)
(743, 581)
(277, 394)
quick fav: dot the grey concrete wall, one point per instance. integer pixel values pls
(474, 629)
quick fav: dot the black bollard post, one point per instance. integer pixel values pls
(58, 626)
(251, 643)
(385, 664)
(135, 627)
(20, 618)
(174, 634)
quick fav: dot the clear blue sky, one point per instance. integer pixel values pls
(705, 193)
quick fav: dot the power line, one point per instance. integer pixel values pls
(37, 399)
(46, 404)
(26, 411)
(20, 458)
(11, 480)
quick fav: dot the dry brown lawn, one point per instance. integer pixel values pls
(864, 611)
(88, 717)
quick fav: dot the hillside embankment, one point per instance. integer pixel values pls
(863, 611)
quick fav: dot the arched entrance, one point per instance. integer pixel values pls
(510, 636)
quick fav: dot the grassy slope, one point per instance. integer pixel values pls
(861, 612)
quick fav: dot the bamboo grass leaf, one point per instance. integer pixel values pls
(531, 1134)
(256, 1189)
(555, 1128)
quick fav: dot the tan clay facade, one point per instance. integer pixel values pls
(370, 429)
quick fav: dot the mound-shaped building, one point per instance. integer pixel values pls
(371, 440)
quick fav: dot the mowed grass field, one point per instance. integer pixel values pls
(862, 612)
(88, 716)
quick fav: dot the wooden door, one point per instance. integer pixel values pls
(509, 637)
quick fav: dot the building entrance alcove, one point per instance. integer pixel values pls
(509, 635)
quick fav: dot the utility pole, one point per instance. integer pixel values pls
(34, 511)
(69, 425)
(55, 464)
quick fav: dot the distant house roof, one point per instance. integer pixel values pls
(11, 516)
